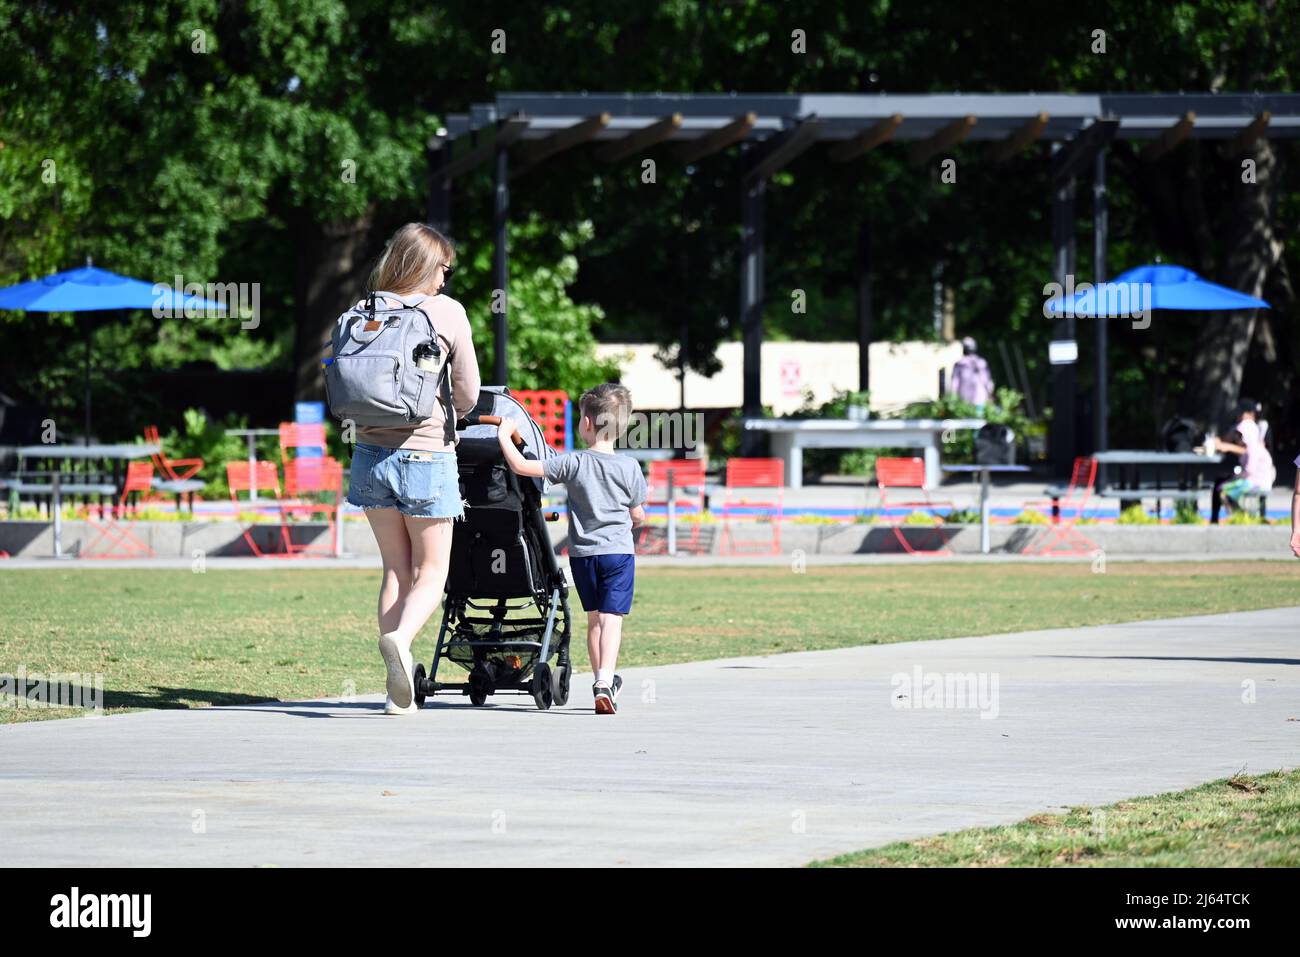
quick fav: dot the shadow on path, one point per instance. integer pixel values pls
(1229, 660)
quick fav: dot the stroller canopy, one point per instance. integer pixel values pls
(497, 400)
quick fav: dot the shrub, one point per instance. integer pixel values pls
(1241, 517)
(1136, 515)
(1187, 513)
(1031, 516)
(152, 513)
(920, 518)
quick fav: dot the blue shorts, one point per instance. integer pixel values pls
(605, 582)
(419, 484)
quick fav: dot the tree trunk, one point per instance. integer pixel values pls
(1252, 252)
(331, 261)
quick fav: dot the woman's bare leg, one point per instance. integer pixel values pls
(430, 545)
(395, 551)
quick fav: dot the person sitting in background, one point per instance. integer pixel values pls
(971, 380)
(1255, 473)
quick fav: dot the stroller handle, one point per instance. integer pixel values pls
(472, 419)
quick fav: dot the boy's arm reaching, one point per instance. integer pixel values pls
(514, 458)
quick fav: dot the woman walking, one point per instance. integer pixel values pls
(405, 477)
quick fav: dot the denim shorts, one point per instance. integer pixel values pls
(419, 484)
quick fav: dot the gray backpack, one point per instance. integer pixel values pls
(386, 366)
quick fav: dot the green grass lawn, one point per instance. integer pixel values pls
(172, 638)
(1244, 821)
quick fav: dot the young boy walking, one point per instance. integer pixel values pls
(606, 493)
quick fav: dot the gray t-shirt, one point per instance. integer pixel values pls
(602, 488)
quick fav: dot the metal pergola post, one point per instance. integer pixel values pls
(1100, 238)
(1062, 431)
(751, 303)
(439, 212)
(501, 267)
(864, 306)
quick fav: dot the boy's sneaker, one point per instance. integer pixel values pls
(615, 687)
(604, 698)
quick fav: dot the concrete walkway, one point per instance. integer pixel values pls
(758, 761)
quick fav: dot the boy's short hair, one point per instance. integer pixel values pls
(609, 406)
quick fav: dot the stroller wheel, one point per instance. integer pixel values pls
(418, 685)
(478, 690)
(541, 685)
(560, 684)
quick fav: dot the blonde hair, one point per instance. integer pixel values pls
(609, 406)
(411, 260)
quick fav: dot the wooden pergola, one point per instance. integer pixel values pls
(520, 131)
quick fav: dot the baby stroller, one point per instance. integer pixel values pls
(506, 609)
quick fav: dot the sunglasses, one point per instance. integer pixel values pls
(448, 269)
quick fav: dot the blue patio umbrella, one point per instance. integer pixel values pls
(90, 289)
(1154, 287)
(1148, 288)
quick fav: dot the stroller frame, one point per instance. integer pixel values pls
(505, 632)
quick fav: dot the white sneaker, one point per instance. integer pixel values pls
(397, 658)
(390, 708)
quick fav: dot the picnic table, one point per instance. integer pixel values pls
(61, 482)
(790, 437)
(1132, 463)
(984, 472)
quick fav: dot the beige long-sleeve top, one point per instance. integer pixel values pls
(452, 327)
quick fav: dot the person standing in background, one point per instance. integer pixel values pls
(971, 380)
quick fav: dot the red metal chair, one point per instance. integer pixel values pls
(688, 495)
(297, 435)
(304, 477)
(177, 470)
(907, 475)
(753, 474)
(546, 407)
(139, 480)
(1063, 538)
(243, 476)
(175, 476)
